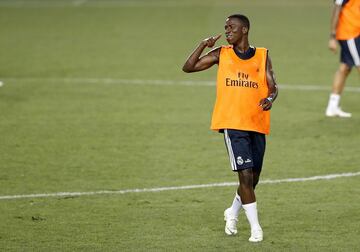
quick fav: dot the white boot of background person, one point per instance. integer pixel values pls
(333, 109)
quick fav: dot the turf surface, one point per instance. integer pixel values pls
(94, 99)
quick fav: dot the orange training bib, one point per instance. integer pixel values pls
(349, 21)
(241, 84)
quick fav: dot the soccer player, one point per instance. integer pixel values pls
(345, 29)
(246, 90)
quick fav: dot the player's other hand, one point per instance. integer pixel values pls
(332, 45)
(210, 42)
(265, 104)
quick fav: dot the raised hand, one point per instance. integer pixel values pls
(196, 62)
(210, 42)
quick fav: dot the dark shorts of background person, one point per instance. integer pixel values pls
(246, 149)
(350, 52)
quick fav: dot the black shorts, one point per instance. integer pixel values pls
(350, 52)
(246, 149)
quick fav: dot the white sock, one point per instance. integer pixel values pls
(236, 205)
(252, 215)
(334, 101)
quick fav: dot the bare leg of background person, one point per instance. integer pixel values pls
(333, 108)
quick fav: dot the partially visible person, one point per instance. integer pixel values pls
(345, 30)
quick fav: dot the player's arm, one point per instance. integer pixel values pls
(333, 24)
(196, 62)
(267, 102)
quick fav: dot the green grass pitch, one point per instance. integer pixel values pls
(94, 99)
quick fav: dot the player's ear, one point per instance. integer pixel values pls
(245, 30)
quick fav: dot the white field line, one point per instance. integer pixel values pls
(175, 188)
(115, 81)
(79, 2)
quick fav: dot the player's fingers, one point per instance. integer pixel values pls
(215, 38)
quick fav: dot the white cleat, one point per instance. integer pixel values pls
(333, 112)
(231, 221)
(256, 235)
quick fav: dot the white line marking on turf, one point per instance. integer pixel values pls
(115, 81)
(79, 2)
(172, 188)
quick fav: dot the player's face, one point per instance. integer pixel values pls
(233, 30)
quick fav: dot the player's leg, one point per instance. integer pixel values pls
(349, 57)
(340, 78)
(247, 194)
(258, 144)
(238, 145)
(333, 108)
(256, 177)
(231, 214)
(246, 189)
